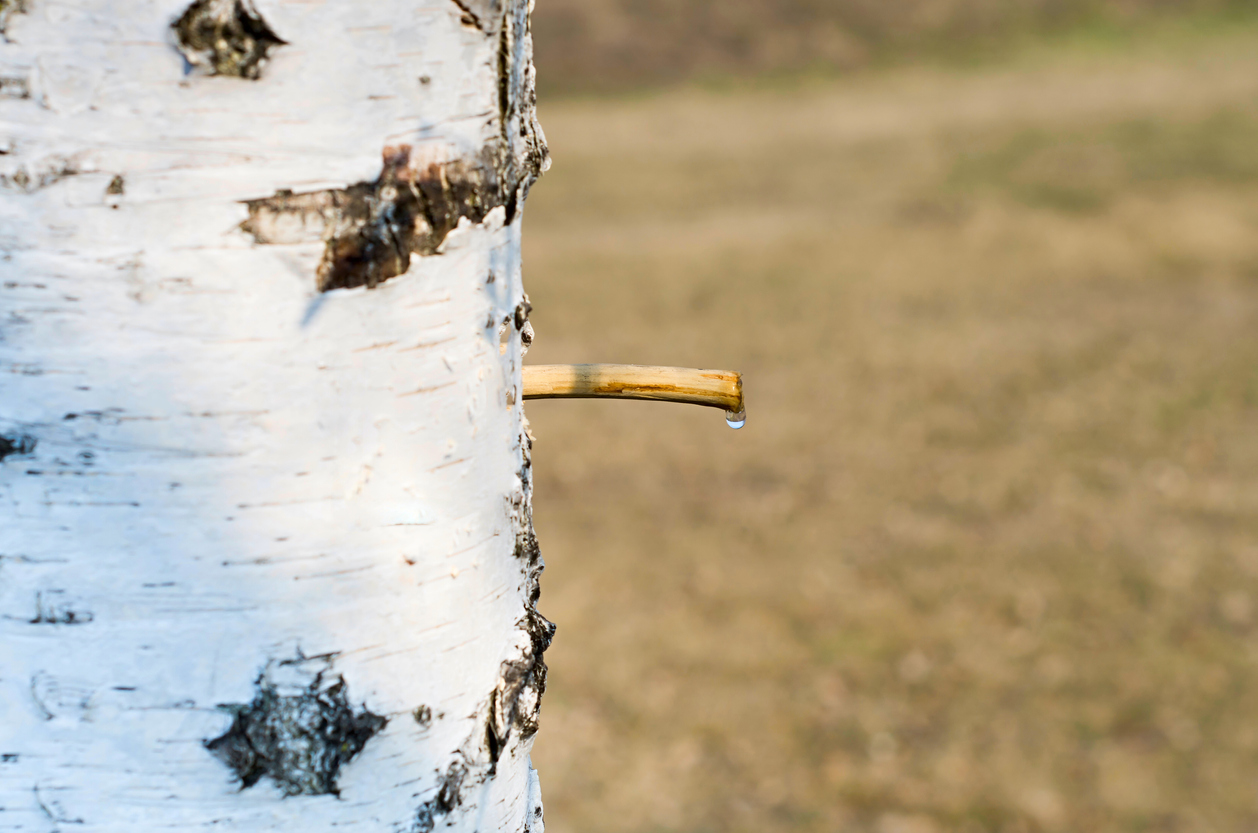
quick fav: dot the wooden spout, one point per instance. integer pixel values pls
(713, 388)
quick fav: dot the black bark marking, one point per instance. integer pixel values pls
(53, 809)
(521, 142)
(300, 739)
(225, 37)
(371, 229)
(53, 608)
(506, 82)
(483, 14)
(423, 716)
(527, 548)
(516, 702)
(522, 311)
(17, 445)
(109, 416)
(449, 797)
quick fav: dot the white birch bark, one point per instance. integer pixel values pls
(266, 560)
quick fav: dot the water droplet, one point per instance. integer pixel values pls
(736, 420)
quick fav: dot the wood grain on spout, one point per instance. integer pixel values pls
(713, 388)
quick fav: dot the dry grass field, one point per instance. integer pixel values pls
(591, 45)
(985, 557)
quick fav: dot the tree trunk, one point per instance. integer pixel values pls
(266, 555)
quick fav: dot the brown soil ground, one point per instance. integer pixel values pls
(985, 557)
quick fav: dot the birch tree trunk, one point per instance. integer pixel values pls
(266, 556)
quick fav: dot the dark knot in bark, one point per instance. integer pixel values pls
(298, 735)
(225, 37)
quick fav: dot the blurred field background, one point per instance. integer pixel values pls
(602, 45)
(985, 557)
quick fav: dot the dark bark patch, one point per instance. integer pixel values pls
(516, 702)
(115, 191)
(522, 311)
(109, 416)
(448, 798)
(371, 229)
(17, 445)
(225, 37)
(527, 548)
(298, 735)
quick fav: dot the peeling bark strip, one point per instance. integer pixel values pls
(299, 736)
(225, 37)
(372, 228)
